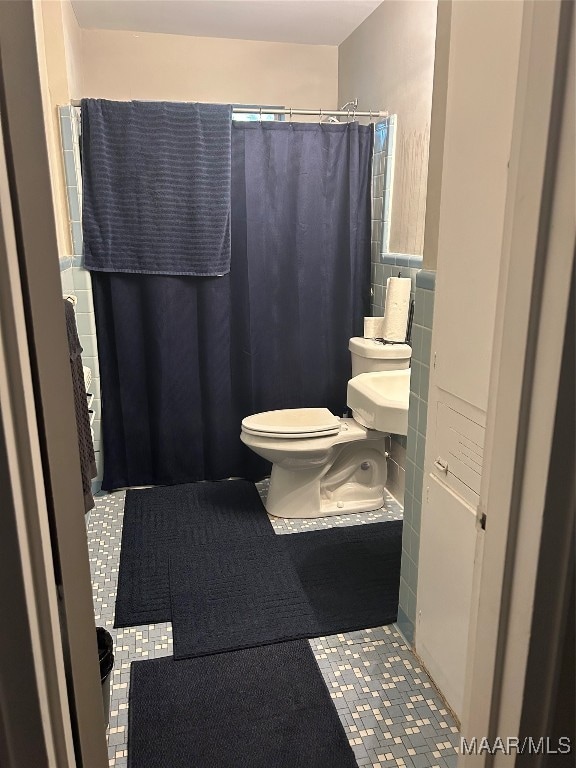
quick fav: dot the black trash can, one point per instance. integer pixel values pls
(106, 659)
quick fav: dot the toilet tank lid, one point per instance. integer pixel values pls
(377, 349)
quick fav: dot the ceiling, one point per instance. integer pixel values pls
(318, 22)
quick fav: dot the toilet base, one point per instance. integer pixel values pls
(328, 510)
(353, 482)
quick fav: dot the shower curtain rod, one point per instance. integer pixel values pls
(292, 112)
(311, 112)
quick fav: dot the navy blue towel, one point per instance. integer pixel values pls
(156, 187)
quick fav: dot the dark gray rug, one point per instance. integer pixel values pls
(229, 595)
(161, 520)
(258, 708)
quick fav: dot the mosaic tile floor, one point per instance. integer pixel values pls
(391, 712)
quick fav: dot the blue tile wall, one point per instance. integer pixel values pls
(386, 264)
(395, 265)
(415, 447)
(75, 279)
(66, 275)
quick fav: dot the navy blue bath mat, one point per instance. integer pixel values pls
(231, 595)
(351, 576)
(257, 708)
(160, 520)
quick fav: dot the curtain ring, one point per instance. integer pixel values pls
(290, 114)
(348, 115)
(320, 115)
(370, 118)
(260, 114)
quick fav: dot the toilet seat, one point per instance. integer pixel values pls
(295, 423)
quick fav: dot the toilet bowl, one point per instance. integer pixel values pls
(324, 465)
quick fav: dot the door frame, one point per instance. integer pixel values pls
(31, 658)
(45, 509)
(46, 537)
(531, 324)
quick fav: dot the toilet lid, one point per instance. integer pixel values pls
(293, 422)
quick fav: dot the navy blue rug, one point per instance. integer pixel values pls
(167, 519)
(229, 595)
(258, 708)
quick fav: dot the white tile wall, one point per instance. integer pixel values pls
(75, 279)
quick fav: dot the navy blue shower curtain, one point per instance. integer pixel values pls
(184, 359)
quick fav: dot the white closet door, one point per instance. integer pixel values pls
(446, 571)
(478, 133)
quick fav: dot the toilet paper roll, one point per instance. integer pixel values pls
(373, 327)
(396, 308)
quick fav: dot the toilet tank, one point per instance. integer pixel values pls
(369, 355)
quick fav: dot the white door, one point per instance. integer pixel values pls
(444, 594)
(477, 143)
(497, 598)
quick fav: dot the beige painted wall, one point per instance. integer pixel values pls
(388, 63)
(73, 41)
(136, 65)
(58, 39)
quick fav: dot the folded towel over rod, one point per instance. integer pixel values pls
(156, 187)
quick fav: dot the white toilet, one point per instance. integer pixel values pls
(324, 465)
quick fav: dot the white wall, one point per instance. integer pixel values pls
(134, 65)
(388, 63)
(477, 141)
(437, 130)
